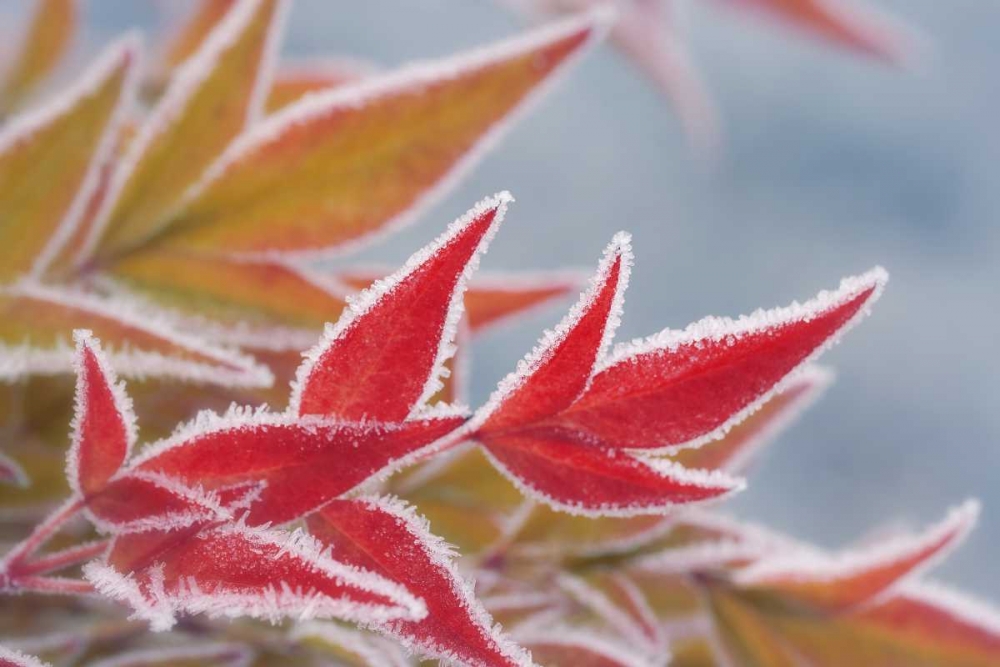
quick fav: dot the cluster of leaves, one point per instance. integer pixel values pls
(574, 495)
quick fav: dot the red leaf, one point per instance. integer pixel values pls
(739, 448)
(565, 468)
(684, 388)
(11, 658)
(557, 371)
(383, 359)
(142, 501)
(389, 538)
(305, 462)
(104, 427)
(580, 477)
(853, 578)
(492, 298)
(840, 23)
(231, 570)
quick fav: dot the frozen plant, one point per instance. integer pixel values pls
(235, 501)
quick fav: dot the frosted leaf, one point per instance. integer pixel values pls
(368, 99)
(387, 536)
(104, 427)
(12, 658)
(853, 577)
(403, 371)
(137, 342)
(642, 486)
(34, 126)
(234, 571)
(612, 272)
(700, 557)
(140, 501)
(679, 389)
(146, 185)
(293, 455)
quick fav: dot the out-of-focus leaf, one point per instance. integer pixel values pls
(746, 637)
(50, 161)
(210, 100)
(12, 473)
(43, 44)
(294, 81)
(198, 655)
(466, 500)
(344, 165)
(842, 23)
(245, 301)
(192, 33)
(352, 647)
(11, 658)
(850, 579)
(566, 647)
(37, 322)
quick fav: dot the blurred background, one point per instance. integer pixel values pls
(831, 163)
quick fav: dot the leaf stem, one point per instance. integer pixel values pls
(41, 534)
(63, 559)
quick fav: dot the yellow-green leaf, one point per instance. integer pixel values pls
(210, 100)
(37, 323)
(240, 295)
(341, 166)
(42, 47)
(50, 162)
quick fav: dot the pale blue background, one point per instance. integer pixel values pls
(832, 164)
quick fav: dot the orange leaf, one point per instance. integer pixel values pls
(853, 578)
(210, 100)
(50, 161)
(38, 319)
(344, 165)
(239, 298)
(43, 45)
(293, 82)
